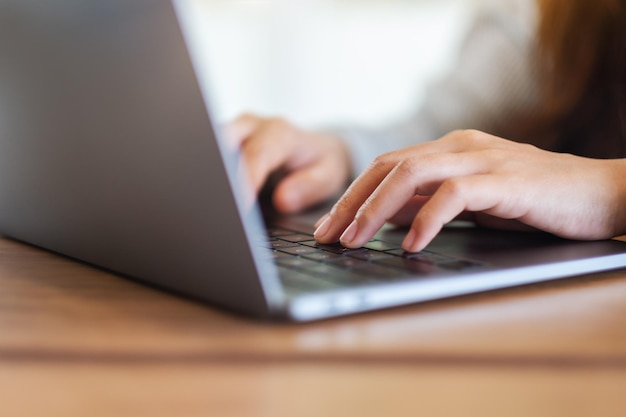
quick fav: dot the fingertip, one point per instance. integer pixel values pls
(415, 241)
(323, 229)
(409, 242)
(349, 237)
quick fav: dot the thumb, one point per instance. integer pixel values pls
(306, 187)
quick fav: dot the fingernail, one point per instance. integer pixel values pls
(323, 228)
(409, 241)
(349, 234)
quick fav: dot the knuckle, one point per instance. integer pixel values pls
(383, 163)
(346, 203)
(278, 123)
(466, 137)
(473, 133)
(453, 188)
(528, 147)
(473, 136)
(408, 168)
(280, 130)
(247, 115)
(253, 143)
(241, 118)
(454, 135)
(368, 211)
(383, 160)
(470, 137)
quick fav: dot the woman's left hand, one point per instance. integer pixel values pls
(499, 183)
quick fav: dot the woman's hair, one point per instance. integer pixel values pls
(583, 54)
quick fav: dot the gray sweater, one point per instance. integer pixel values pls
(494, 80)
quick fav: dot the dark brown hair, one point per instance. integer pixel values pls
(583, 53)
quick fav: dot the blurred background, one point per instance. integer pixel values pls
(322, 62)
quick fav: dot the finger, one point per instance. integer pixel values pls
(477, 193)
(343, 212)
(269, 148)
(239, 130)
(470, 140)
(305, 187)
(321, 220)
(418, 175)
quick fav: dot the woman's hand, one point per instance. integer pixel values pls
(499, 182)
(313, 166)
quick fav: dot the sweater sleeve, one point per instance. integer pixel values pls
(493, 80)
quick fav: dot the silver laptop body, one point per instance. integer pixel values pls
(108, 155)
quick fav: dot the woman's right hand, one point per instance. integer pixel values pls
(498, 182)
(314, 166)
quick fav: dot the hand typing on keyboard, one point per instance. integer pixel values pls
(315, 166)
(502, 183)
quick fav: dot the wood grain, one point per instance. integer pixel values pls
(75, 340)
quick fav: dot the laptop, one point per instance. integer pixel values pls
(108, 155)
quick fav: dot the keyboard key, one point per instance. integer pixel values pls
(296, 280)
(424, 256)
(307, 265)
(298, 250)
(275, 255)
(340, 250)
(369, 255)
(379, 245)
(276, 232)
(295, 262)
(414, 266)
(380, 273)
(280, 244)
(322, 269)
(341, 276)
(322, 256)
(297, 237)
(348, 262)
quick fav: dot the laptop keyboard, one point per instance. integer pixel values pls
(307, 265)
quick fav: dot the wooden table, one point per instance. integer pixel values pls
(77, 341)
